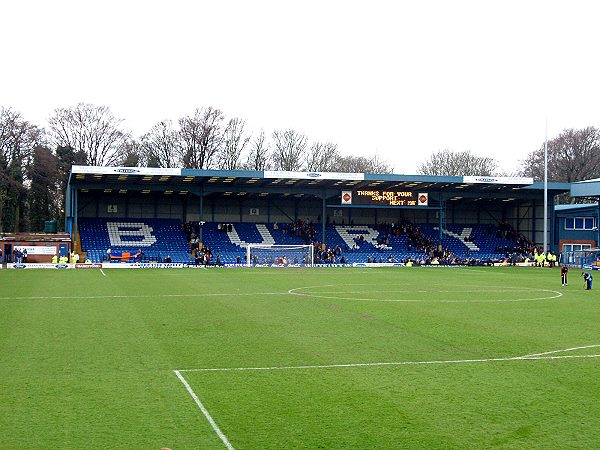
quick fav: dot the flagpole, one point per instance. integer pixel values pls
(546, 188)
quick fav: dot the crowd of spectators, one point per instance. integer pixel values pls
(201, 254)
(20, 255)
(417, 242)
(522, 246)
(330, 255)
(300, 228)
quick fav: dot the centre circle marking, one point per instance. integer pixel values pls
(302, 292)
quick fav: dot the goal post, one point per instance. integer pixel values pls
(279, 255)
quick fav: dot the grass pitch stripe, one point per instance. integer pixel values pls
(213, 424)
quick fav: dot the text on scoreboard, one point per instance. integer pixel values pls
(384, 198)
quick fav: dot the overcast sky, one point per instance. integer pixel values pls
(401, 79)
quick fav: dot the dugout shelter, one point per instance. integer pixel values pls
(323, 198)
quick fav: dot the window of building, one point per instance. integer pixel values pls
(580, 223)
(575, 247)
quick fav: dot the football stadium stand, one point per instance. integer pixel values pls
(161, 238)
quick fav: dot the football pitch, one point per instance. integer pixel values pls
(324, 358)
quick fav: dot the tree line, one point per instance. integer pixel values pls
(35, 161)
(574, 155)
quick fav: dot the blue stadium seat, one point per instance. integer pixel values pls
(170, 239)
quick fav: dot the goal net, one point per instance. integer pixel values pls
(279, 255)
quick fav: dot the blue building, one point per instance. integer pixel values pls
(577, 227)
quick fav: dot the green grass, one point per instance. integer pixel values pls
(88, 361)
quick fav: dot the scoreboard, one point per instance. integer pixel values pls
(384, 198)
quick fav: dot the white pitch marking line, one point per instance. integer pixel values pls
(220, 294)
(298, 292)
(213, 424)
(102, 271)
(561, 351)
(401, 363)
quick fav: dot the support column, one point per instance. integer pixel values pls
(552, 245)
(533, 216)
(75, 195)
(68, 210)
(441, 225)
(201, 212)
(442, 219)
(323, 218)
(201, 215)
(598, 225)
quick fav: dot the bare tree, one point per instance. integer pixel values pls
(322, 157)
(288, 149)
(202, 136)
(379, 165)
(93, 130)
(160, 146)
(258, 157)
(133, 154)
(574, 155)
(453, 163)
(362, 164)
(234, 142)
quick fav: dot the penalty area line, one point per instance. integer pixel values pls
(213, 424)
